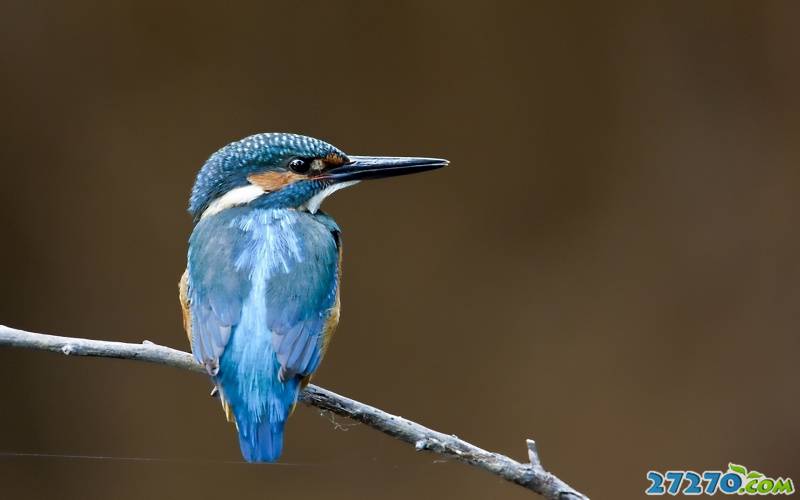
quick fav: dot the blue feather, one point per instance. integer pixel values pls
(262, 283)
(261, 402)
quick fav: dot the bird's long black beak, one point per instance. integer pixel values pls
(376, 167)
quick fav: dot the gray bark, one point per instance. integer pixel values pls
(528, 475)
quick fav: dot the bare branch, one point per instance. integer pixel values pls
(531, 476)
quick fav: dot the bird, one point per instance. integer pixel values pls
(260, 294)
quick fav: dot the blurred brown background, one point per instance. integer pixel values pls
(609, 266)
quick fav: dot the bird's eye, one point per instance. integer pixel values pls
(299, 166)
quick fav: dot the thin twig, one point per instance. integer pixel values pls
(531, 475)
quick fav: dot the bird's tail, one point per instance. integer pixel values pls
(260, 422)
(261, 441)
(260, 417)
(260, 404)
(258, 398)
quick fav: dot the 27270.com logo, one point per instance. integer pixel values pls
(737, 480)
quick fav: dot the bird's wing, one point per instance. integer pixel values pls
(294, 255)
(302, 301)
(217, 288)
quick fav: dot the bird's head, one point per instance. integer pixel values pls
(287, 171)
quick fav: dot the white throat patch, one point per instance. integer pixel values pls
(313, 204)
(245, 194)
(238, 196)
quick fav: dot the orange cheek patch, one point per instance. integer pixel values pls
(273, 181)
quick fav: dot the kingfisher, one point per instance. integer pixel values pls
(260, 294)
